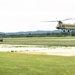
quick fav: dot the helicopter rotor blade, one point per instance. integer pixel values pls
(60, 20)
(51, 21)
(68, 19)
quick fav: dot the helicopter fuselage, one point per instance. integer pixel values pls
(64, 26)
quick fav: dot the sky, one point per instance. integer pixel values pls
(27, 15)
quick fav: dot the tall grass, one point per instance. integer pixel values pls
(44, 41)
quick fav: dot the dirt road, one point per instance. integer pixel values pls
(60, 51)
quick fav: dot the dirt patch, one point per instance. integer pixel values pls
(60, 51)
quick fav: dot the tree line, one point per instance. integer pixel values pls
(61, 34)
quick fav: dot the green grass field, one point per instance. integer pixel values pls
(44, 41)
(27, 64)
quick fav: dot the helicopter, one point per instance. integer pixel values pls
(64, 26)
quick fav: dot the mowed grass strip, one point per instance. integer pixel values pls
(28, 64)
(44, 41)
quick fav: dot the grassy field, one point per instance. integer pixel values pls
(44, 41)
(27, 64)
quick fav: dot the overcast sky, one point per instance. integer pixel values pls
(26, 15)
